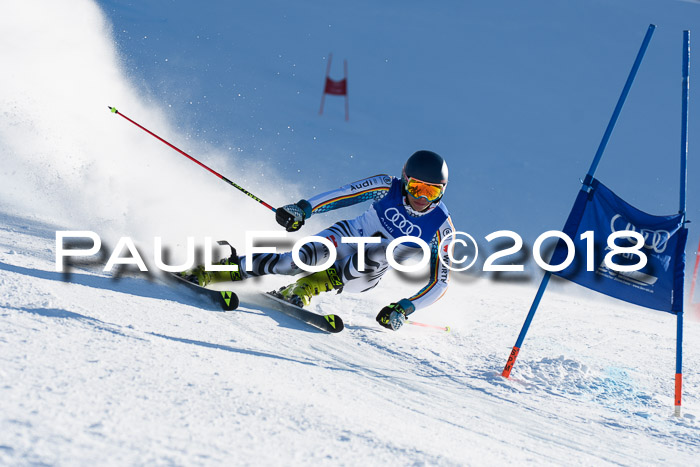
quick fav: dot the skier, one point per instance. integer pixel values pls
(406, 206)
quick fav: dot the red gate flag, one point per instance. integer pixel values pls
(337, 88)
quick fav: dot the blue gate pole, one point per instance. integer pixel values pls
(618, 108)
(521, 337)
(684, 120)
(678, 393)
(586, 183)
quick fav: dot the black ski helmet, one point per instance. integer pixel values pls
(426, 166)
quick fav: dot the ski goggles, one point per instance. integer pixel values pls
(420, 189)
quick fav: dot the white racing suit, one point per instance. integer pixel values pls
(389, 217)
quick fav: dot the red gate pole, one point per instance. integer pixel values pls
(328, 71)
(695, 306)
(347, 108)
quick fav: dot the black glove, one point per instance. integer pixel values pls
(292, 216)
(394, 316)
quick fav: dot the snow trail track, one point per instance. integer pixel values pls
(134, 371)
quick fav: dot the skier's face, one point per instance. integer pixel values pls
(418, 204)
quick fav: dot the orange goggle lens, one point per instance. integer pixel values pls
(429, 191)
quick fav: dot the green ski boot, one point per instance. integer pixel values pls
(301, 292)
(203, 278)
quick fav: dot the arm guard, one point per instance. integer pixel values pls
(439, 272)
(372, 188)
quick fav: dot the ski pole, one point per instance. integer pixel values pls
(251, 195)
(432, 326)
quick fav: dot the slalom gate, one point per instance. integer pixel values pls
(659, 284)
(336, 87)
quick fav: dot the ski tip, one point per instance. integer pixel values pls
(113, 109)
(335, 323)
(230, 300)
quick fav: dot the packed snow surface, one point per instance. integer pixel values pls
(98, 369)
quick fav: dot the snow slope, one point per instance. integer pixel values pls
(98, 369)
(131, 371)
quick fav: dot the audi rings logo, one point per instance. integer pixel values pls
(400, 222)
(656, 240)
